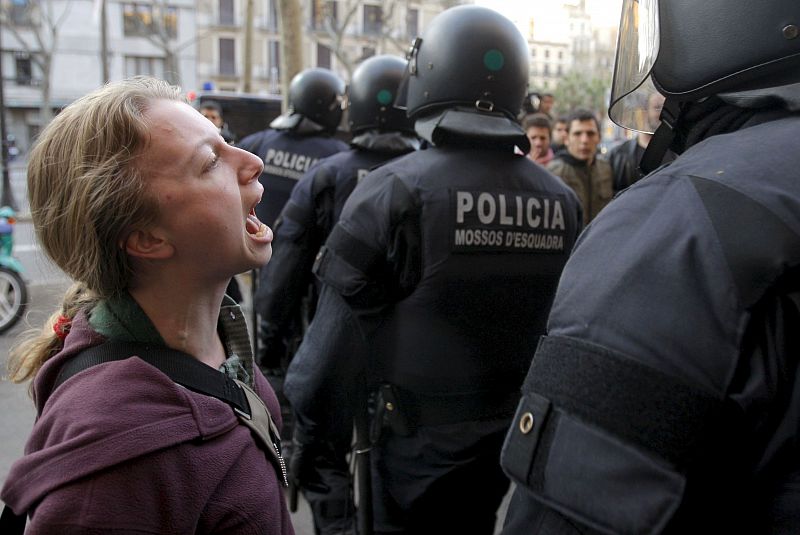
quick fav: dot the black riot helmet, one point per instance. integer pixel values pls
(691, 49)
(314, 94)
(371, 95)
(470, 57)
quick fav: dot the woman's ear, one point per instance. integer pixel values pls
(147, 244)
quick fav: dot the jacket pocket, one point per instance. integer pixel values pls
(587, 474)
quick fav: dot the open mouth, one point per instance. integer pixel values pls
(255, 227)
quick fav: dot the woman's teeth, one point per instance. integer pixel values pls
(262, 231)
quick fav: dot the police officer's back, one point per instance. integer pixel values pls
(380, 133)
(298, 138)
(446, 260)
(665, 397)
(294, 142)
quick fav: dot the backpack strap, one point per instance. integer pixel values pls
(181, 367)
(188, 372)
(11, 524)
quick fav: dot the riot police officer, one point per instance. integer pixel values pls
(444, 261)
(294, 142)
(665, 397)
(380, 132)
(298, 138)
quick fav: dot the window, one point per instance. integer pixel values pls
(24, 69)
(272, 15)
(170, 21)
(367, 52)
(546, 70)
(274, 60)
(546, 53)
(560, 54)
(226, 17)
(317, 15)
(141, 65)
(373, 20)
(559, 71)
(322, 10)
(137, 19)
(412, 23)
(533, 52)
(227, 57)
(141, 20)
(20, 13)
(332, 10)
(323, 56)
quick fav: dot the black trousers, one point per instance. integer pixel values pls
(443, 479)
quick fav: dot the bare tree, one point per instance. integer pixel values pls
(159, 25)
(34, 26)
(290, 24)
(333, 22)
(247, 83)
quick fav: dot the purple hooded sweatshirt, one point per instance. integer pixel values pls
(121, 448)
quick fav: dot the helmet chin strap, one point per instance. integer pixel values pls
(662, 137)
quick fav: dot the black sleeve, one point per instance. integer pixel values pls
(765, 386)
(373, 257)
(321, 374)
(298, 236)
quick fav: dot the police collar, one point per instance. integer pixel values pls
(786, 97)
(465, 126)
(297, 124)
(378, 141)
(684, 124)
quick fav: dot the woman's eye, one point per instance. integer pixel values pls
(212, 163)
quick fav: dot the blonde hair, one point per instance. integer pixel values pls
(85, 193)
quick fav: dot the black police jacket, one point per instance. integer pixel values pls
(448, 258)
(287, 156)
(305, 222)
(665, 397)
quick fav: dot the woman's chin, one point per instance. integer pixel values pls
(264, 255)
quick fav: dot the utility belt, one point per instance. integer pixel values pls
(403, 411)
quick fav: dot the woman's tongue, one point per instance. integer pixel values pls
(254, 226)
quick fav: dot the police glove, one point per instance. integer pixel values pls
(303, 464)
(272, 348)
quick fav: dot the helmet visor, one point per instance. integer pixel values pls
(637, 49)
(401, 100)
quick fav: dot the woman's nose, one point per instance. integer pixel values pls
(251, 166)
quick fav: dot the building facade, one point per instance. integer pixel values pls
(336, 35)
(201, 45)
(143, 37)
(562, 37)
